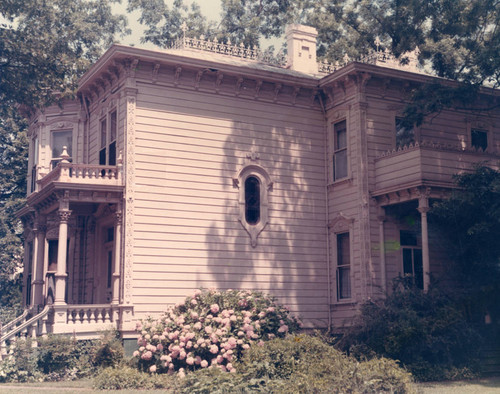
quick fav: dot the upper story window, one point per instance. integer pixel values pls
(108, 130)
(404, 135)
(60, 139)
(479, 138)
(340, 150)
(34, 163)
(343, 266)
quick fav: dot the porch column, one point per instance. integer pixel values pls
(116, 268)
(61, 275)
(39, 253)
(423, 208)
(383, 275)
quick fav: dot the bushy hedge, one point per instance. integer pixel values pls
(296, 364)
(427, 332)
(127, 377)
(211, 328)
(60, 357)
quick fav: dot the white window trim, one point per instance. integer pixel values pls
(483, 126)
(266, 185)
(341, 225)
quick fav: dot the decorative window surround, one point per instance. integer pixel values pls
(266, 184)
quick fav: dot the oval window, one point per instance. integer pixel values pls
(252, 200)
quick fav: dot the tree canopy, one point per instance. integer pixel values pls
(45, 45)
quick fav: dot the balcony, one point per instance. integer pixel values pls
(426, 164)
(84, 174)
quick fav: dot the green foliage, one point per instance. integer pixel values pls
(108, 350)
(45, 46)
(470, 223)
(22, 366)
(165, 23)
(130, 378)
(10, 299)
(60, 357)
(301, 364)
(211, 328)
(426, 332)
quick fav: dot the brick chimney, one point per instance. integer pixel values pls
(301, 48)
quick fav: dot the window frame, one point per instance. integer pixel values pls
(266, 185)
(341, 266)
(108, 137)
(54, 161)
(338, 151)
(479, 130)
(413, 246)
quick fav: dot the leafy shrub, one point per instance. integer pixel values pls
(21, 365)
(60, 357)
(108, 350)
(301, 364)
(426, 332)
(130, 378)
(210, 328)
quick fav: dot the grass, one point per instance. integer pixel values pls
(65, 387)
(478, 386)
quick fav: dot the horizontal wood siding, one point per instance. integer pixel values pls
(189, 147)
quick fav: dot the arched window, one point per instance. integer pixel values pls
(252, 200)
(254, 184)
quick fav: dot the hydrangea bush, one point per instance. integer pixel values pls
(211, 329)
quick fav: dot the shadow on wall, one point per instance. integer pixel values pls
(288, 260)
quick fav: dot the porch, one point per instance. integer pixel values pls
(73, 254)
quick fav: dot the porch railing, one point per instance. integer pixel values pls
(32, 327)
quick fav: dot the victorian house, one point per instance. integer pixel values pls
(208, 166)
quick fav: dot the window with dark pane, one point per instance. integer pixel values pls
(340, 150)
(102, 152)
(252, 200)
(479, 139)
(112, 139)
(343, 266)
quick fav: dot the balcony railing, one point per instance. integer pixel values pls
(83, 174)
(427, 163)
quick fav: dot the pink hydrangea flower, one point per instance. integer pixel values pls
(147, 355)
(214, 308)
(283, 328)
(136, 353)
(214, 349)
(190, 360)
(152, 368)
(204, 363)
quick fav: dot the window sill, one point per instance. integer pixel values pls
(349, 302)
(340, 182)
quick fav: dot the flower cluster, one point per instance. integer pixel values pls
(210, 329)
